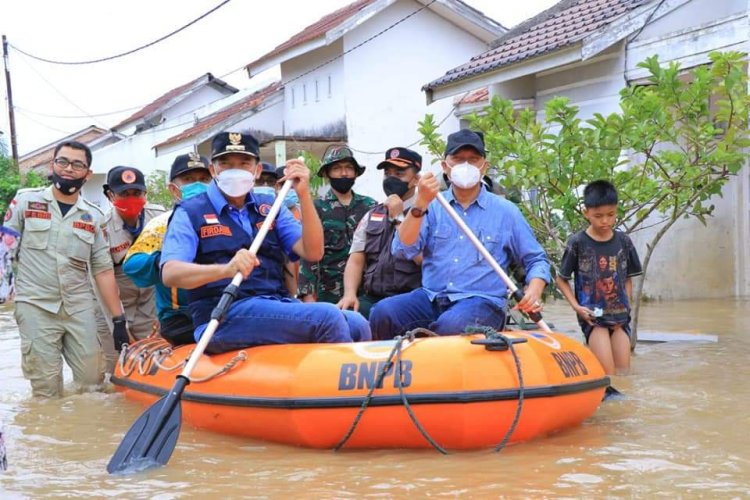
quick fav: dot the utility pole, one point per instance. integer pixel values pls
(11, 114)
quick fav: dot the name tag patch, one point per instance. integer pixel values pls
(36, 214)
(86, 226)
(271, 227)
(119, 248)
(211, 231)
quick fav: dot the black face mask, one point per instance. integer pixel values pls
(342, 184)
(67, 186)
(394, 185)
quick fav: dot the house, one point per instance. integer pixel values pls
(353, 76)
(587, 50)
(159, 119)
(38, 160)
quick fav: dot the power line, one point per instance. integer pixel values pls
(42, 124)
(45, 115)
(51, 61)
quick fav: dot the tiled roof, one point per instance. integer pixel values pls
(44, 155)
(559, 26)
(164, 99)
(253, 100)
(317, 29)
(476, 96)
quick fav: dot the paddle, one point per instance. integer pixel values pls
(517, 294)
(514, 290)
(152, 438)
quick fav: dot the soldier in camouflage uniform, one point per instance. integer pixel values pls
(340, 210)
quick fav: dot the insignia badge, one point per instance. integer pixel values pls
(213, 231)
(211, 219)
(235, 142)
(128, 177)
(264, 209)
(394, 153)
(88, 227)
(195, 160)
(87, 218)
(38, 205)
(377, 217)
(8, 214)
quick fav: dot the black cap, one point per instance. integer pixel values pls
(280, 172)
(336, 153)
(234, 142)
(269, 169)
(187, 162)
(121, 178)
(465, 138)
(402, 158)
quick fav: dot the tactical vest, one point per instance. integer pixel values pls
(386, 275)
(219, 239)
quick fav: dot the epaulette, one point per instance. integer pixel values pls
(94, 206)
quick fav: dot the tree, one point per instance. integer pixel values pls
(10, 181)
(672, 146)
(156, 188)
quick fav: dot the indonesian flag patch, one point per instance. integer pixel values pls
(211, 219)
(377, 217)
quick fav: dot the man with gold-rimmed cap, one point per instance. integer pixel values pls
(370, 259)
(340, 210)
(188, 177)
(207, 243)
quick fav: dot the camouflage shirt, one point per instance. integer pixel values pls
(326, 278)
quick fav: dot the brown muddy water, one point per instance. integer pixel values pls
(683, 432)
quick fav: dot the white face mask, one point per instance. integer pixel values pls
(465, 175)
(235, 182)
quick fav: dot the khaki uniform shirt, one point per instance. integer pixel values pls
(56, 253)
(135, 300)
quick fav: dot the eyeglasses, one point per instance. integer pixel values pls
(76, 165)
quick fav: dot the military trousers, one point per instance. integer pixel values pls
(48, 337)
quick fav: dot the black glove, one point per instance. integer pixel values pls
(120, 332)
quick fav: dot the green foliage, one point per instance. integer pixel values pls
(10, 181)
(156, 189)
(313, 163)
(672, 147)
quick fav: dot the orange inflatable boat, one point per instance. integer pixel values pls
(455, 392)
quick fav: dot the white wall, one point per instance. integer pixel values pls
(383, 79)
(307, 116)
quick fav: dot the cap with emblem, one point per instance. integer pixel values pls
(234, 142)
(402, 158)
(187, 162)
(336, 153)
(121, 178)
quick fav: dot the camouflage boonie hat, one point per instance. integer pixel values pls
(336, 153)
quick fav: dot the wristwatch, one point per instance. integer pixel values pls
(417, 212)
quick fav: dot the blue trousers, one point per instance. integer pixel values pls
(257, 321)
(398, 314)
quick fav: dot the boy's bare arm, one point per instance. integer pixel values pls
(567, 291)
(629, 290)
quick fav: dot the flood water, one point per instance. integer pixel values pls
(683, 431)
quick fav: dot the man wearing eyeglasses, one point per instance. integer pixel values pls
(62, 241)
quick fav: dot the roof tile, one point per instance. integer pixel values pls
(563, 24)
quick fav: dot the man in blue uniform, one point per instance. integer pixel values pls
(207, 244)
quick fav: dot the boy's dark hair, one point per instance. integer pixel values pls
(599, 193)
(75, 145)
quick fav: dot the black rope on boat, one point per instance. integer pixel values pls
(493, 334)
(410, 335)
(399, 384)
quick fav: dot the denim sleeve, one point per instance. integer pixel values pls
(527, 249)
(398, 249)
(181, 240)
(142, 268)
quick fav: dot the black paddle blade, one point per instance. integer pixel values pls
(151, 439)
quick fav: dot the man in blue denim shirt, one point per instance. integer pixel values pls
(459, 288)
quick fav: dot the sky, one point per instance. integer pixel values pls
(52, 101)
